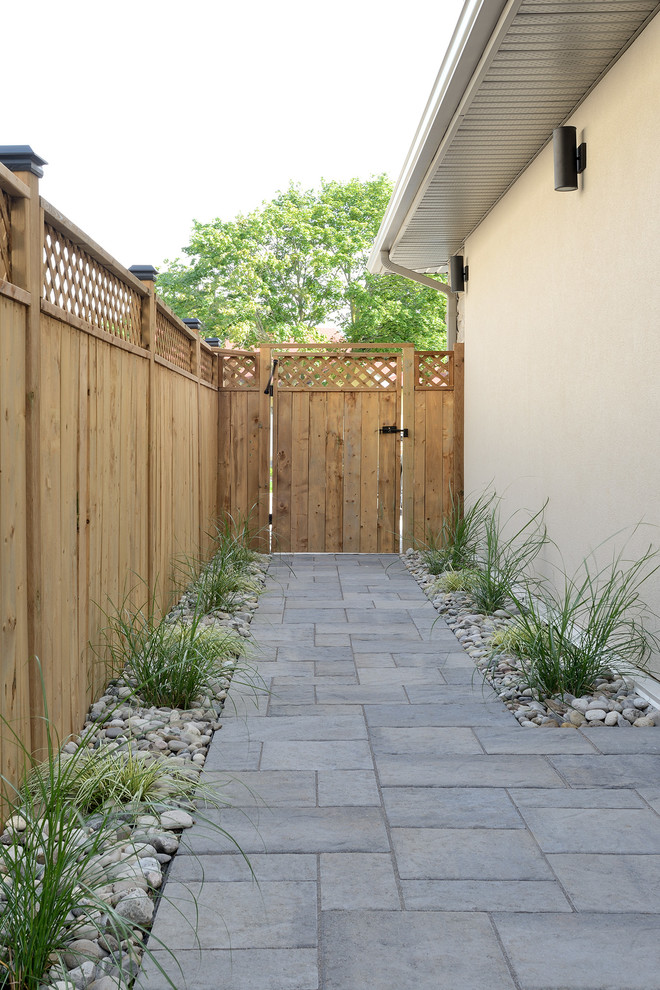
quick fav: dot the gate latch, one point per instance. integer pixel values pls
(393, 429)
(269, 387)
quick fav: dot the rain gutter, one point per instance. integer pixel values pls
(473, 32)
(431, 283)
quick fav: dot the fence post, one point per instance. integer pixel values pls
(265, 406)
(147, 275)
(26, 263)
(195, 325)
(459, 392)
(407, 386)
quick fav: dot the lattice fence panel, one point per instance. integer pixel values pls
(335, 372)
(240, 371)
(172, 343)
(434, 370)
(5, 236)
(207, 366)
(74, 281)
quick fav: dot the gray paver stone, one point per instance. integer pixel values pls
(394, 950)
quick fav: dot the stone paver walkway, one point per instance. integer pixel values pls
(405, 832)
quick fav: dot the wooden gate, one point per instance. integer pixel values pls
(341, 449)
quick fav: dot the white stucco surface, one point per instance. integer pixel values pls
(561, 322)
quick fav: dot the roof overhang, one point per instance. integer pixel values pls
(514, 70)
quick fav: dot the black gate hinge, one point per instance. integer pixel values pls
(393, 429)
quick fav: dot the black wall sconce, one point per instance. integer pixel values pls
(570, 159)
(458, 274)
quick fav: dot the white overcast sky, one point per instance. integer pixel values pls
(152, 115)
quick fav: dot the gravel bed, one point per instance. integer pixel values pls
(614, 702)
(140, 848)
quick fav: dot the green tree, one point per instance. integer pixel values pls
(390, 308)
(296, 263)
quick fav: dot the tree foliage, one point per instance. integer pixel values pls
(298, 263)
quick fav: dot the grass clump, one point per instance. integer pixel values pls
(222, 582)
(47, 871)
(513, 639)
(93, 779)
(52, 886)
(233, 538)
(170, 662)
(503, 560)
(221, 587)
(593, 624)
(460, 580)
(65, 836)
(457, 544)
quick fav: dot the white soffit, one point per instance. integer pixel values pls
(521, 74)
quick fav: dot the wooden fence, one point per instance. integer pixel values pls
(123, 437)
(357, 446)
(108, 456)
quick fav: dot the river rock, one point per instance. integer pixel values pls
(176, 818)
(136, 907)
(82, 975)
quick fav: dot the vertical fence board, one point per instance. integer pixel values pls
(251, 441)
(238, 458)
(369, 472)
(265, 406)
(317, 477)
(15, 694)
(419, 470)
(334, 471)
(299, 471)
(208, 438)
(282, 462)
(95, 604)
(458, 413)
(408, 444)
(51, 537)
(73, 704)
(84, 670)
(223, 452)
(437, 422)
(388, 475)
(239, 452)
(352, 464)
(448, 460)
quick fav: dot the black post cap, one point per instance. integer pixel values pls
(21, 158)
(146, 273)
(193, 322)
(213, 341)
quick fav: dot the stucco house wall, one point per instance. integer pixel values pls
(561, 322)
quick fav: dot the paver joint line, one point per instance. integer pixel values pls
(405, 831)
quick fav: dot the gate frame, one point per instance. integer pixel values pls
(262, 434)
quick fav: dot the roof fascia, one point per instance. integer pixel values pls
(478, 22)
